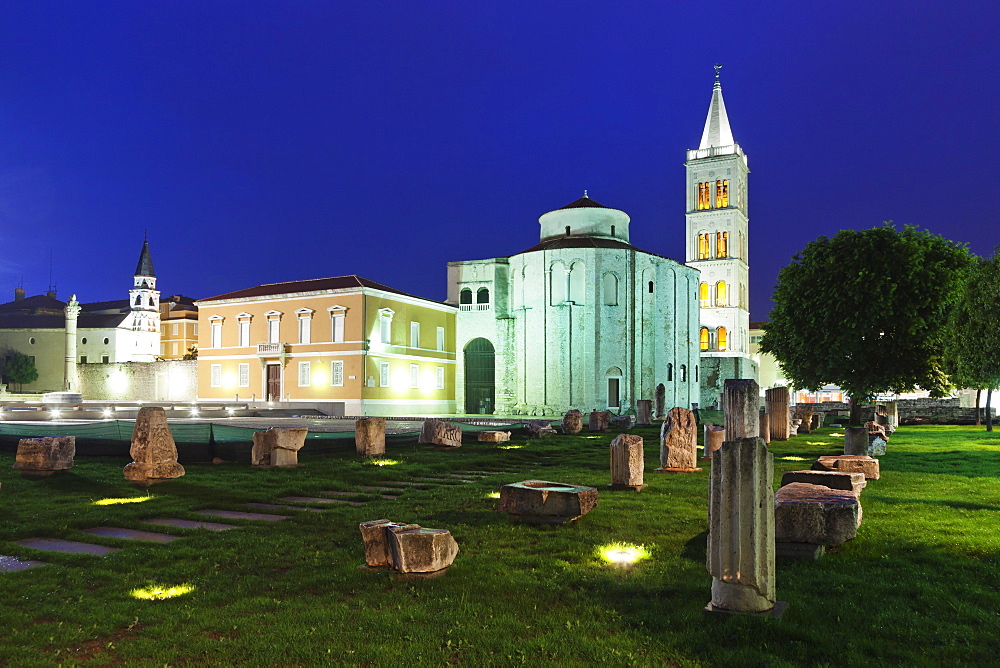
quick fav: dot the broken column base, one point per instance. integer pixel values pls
(743, 600)
(621, 488)
(778, 610)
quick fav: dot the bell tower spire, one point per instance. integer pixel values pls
(144, 298)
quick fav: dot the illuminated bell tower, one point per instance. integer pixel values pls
(144, 297)
(717, 225)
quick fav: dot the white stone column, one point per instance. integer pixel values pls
(69, 374)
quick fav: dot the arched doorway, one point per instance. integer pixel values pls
(479, 376)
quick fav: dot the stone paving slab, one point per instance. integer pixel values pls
(11, 564)
(131, 534)
(275, 506)
(190, 524)
(407, 483)
(238, 515)
(369, 488)
(342, 493)
(317, 499)
(70, 546)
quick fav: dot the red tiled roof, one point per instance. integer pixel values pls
(309, 285)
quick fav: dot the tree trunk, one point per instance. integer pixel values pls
(978, 413)
(989, 411)
(855, 419)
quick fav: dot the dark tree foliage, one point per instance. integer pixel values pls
(868, 311)
(191, 354)
(973, 350)
(21, 369)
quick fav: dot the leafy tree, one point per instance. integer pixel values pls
(973, 349)
(867, 310)
(21, 369)
(192, 353)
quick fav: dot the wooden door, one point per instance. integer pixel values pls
(273, 382)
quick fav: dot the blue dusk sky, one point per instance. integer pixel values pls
(258, 142)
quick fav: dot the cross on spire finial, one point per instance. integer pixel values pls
(585, 193)
(717, 68)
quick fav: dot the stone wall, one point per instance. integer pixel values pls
(171, 380)
(932, 410)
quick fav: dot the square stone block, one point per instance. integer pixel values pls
(849, 464)
(853, 482)
(544, 502)
(46, 454)
(420, 550)
(816, 514)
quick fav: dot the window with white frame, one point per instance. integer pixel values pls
(244, 332)
(440, 378)
(216, 325)
(383, 374)
(385, 325)
(304, 373)
(414, 376)
(173, 329)
(337, 373)
(414, 334)
(305, 329)
(244, 375)
(337, 314)
(440, 338)
(216, 375)
(273, 326)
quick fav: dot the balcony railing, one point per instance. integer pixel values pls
(270, 348)
(473, 307)
(713, 151)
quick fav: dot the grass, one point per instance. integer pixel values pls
(918, 585)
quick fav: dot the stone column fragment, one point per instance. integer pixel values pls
(153, 449)
(714, 437)
(599, 421)
(741, 528)
(572, 422)
(277, 447)
(369, 436)
(679, 442)
(644, 413)
(626, 462)
(777, 407)
(439, 432)
(765, 427)
(741, 397)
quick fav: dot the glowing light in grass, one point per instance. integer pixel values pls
(795, 459)
(815, 443)
(156, 593)
(381, 462)
(510, 447)
(493, 495)
(622, 554)
(115, 502)
(836, 435)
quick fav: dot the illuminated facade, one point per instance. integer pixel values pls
(717, 226)
(178, 326)
(106, 332)
(582, 320)
(344, 345)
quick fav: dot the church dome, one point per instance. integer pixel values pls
(585, 218)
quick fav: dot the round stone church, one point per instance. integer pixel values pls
(582, 320)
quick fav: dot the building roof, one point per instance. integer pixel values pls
(145, 265)
(588, 242)
(309, 285)
(584, 202)
(114, 305)
(37, 304)
(85, 321)
(717, 131)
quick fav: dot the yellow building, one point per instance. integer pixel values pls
(178, 326)
(344, 345)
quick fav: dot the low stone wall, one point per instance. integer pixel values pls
(169, 380)
(940, 411)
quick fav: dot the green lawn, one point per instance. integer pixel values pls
(918, 585)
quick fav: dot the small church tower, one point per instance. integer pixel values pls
(717, 225)
(144, 315)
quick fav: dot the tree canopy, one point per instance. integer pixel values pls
(21, 369)
(973, 347)
(868, 311)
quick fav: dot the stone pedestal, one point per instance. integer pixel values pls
(369, 436)
(776, 400)
(622, 422)
(268, 444)
(741, 397)
(892, 412)
(679, 442)
(493, 436)
(572, 422)
(44, 456)
(714, 436)
(805, 513)
(626, 463)
(765, 427)
(153, 450)
(741, 528)
(439, 432)
(855, 440)
(644, 413)
(599, 421)
(544, 502)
